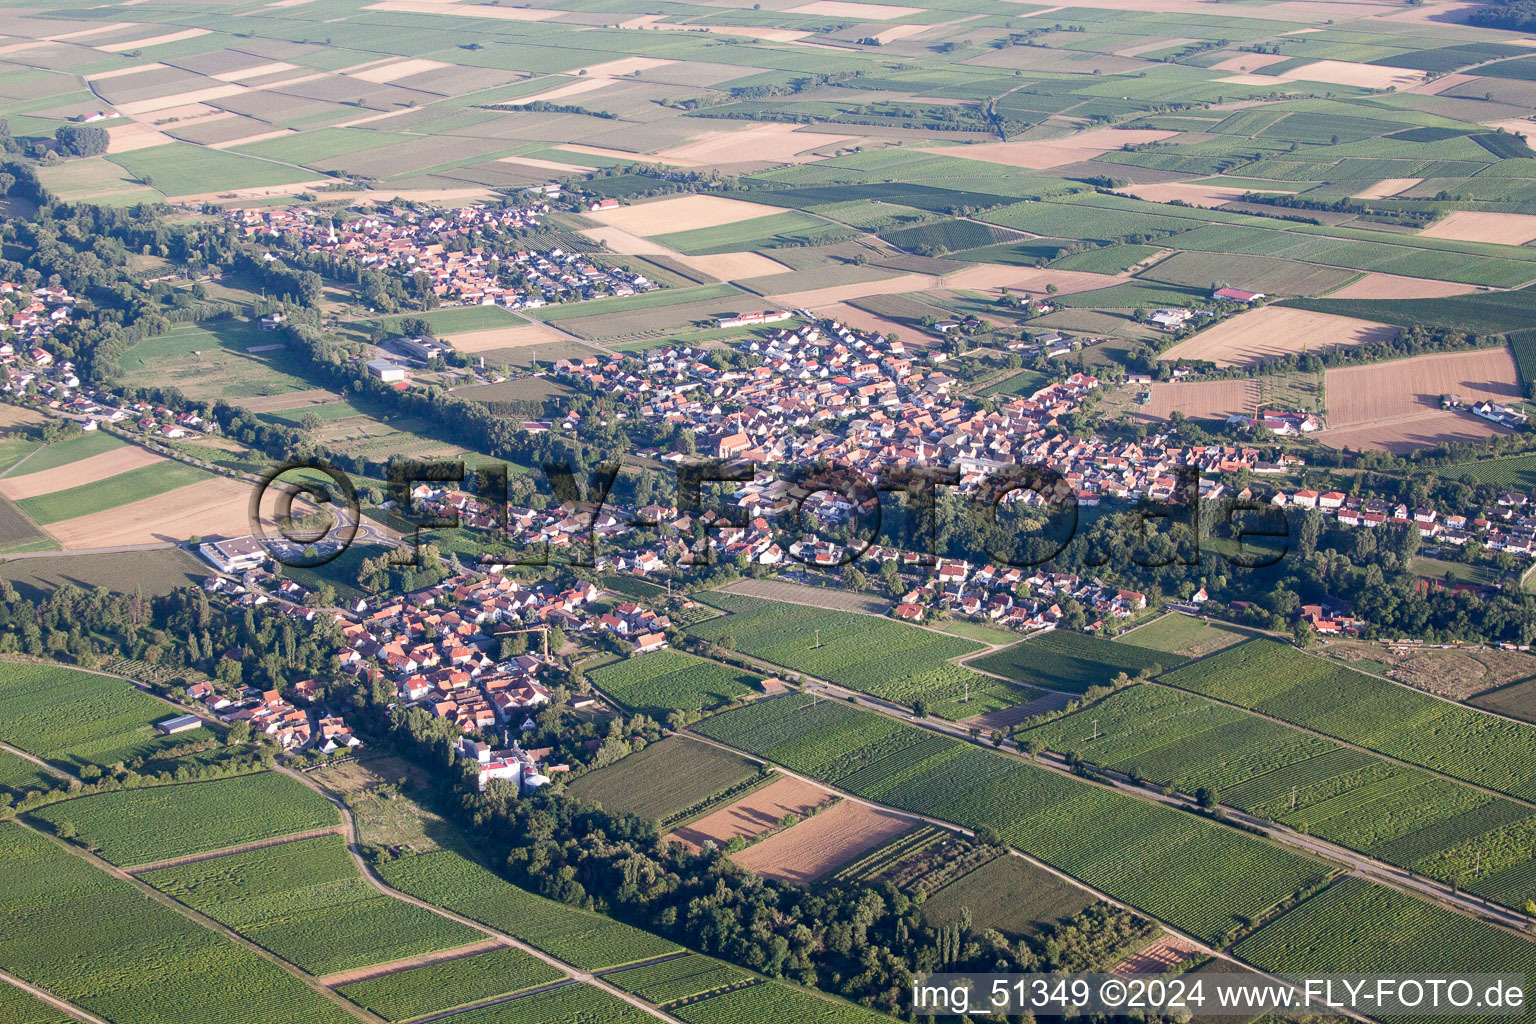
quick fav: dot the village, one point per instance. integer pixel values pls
(453, 248)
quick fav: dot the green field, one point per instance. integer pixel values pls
(1276, 679)
(588, 941)
(307, 902)
(666, 779)
(572, 1004)
(1355, 926)
(62, 453)
(436, 987)
(75, 718)
(1062, 660)
(213, 360)
(106, 947)
(180, 169)
(18, 775)
(1009, 894)
(668, 680)
(19, 1007)
(1183, 635)
(141, 826)
(111, 492)
(1199, 876)
(781, 1004)
(881, 657)
(682, 978)
(458, 319)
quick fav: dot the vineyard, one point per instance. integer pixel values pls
(1181, 868)
(1400, 815)
(19, 1007)
(665, 779)
(1063, 660)
(141, 826)
(99, 943)
(443, 986)
(589, 941)
(18, 775)
(665, 681)
(881, 657)
(572, 1004)
(682, 978)
(1009, 894)
(77, 718)
(307, 902)
(1276, 679)
(774, 1002)
(1355, 926)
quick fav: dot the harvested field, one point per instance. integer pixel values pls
(775, 143)
(1344, 72)
(1056, 152)
(544, 165)
(1161, 956)
(997, 276)
(1390, 286)
(218, 507)
(573, 87)
(811, 849)
(734, 266)
(1272, 330)
(1459, 674)
(159, 40)
(475, 342)
(465, 11)
(754, 814)
(18, 415)
(1199, 400)
(1387, 187)
(863, 320)
(1395, 406)
(1247, 62)
(627, 243)
(86, 471)
(387, 73)
(125, 138)
(623, 66)
(1209, 196)
(685, 213)
(817, 597)
(818, 298)
(864, 12)
(1475, 226)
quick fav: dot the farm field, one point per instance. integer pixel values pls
(1198, 400)
(1174, 866)
(23, 1008)
(1516, 701)
(1318, 694)
(1062, 660)
(1318, 786)
(74, 718)
(821, 844)
(18, 775)
(443, 986)
(1395, 406)
(140, 826)
(1356, 926)
(880, 657)
(307, 902)
(754, 814)
(1183, 635)
(1009, 894)
(685, 977)
(112, 492)
(780, 1003)
(97, 942)
(570, 1004)
(450, 880)
(384, 816)
(1460, 673)
(664, 681)
(666, 779)
(152, 573)
(1247, 338)
(214, 360)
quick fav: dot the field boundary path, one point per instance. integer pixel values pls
(576, 975)
(383, 970)
(50, 999)
(50, 769)
(228, 851)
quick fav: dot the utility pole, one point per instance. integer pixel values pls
(1095, 728)
(818, 638)
(1293, 798)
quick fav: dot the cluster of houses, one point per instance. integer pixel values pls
(1506, 527)
(1495, 412)
(449, 246)
(1024, 599)
(271, 714)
